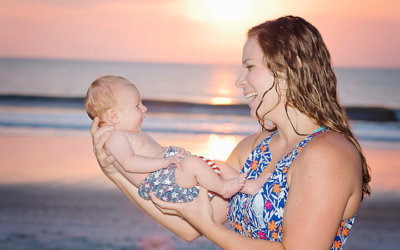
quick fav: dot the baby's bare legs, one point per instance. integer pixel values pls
(252, 186)
(196, 171)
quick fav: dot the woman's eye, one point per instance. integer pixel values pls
(249, 67)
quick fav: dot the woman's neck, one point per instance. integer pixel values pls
(295, 125)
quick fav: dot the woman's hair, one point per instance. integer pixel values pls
(294, 48)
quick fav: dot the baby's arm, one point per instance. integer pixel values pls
(120, 148)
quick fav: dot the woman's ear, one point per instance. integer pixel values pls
(281, 79)
(112, 116)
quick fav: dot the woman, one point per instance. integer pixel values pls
(319, 173)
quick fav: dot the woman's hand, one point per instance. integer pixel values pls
(99, 138)
(198, 213)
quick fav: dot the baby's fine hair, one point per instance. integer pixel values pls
(100, 96)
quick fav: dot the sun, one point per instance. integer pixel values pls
(218, 10)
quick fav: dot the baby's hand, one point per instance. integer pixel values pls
(174, 159)
(182, 151)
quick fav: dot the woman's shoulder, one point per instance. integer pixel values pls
(332, 148)
(331, 142)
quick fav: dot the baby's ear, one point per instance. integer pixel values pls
(112, 116)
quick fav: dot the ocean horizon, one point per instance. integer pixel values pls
(191, 83)
(48, 94)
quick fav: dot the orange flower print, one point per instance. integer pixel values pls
(284, 170)
(245, 220)
(339, 231)
(277, 189)
(237, 226)
(254, 165)
(272, 226)
(280, 230)
(342, 223)
(337, 244)
(263, 148)
(248, 233)
(299, 148)
(274, 235)
(345, 231)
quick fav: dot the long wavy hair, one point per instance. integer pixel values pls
(294, 48)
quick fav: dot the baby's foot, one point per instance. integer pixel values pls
(252, 186)
(234, 185)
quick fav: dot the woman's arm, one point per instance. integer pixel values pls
(327, 174)
(325, 187)
(200, 214)
(173, 223)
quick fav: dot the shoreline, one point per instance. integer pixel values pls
(49, 216)
(55, 196)
(357, 113)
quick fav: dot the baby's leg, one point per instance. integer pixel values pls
(207, 178)
(251, 186)
(227, 172)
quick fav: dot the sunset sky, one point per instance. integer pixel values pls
(358, 33)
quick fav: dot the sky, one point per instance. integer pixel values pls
(358, 33)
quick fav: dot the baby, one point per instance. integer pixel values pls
(147, 164)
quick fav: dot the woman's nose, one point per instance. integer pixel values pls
(240, 81)
(144, 109)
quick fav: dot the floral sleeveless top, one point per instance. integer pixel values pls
(260, 216)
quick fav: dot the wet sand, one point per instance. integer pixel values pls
(53, 196)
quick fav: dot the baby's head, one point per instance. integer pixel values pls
(115, 101)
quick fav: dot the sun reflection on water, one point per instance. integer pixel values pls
(221, 101)
(219, 147)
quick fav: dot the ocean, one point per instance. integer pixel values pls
(182, 98)
(201, 83)
(54, 196)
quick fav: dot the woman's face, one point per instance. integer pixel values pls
(255, 79)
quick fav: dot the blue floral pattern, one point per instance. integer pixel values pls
(260, 216)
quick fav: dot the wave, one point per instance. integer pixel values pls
(376, 114)
(67, 114)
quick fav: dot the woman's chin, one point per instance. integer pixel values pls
(253, 114)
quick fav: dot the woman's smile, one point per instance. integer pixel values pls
(251, 96)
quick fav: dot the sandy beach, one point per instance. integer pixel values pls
(53, 196)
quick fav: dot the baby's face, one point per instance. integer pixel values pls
(130, 110)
